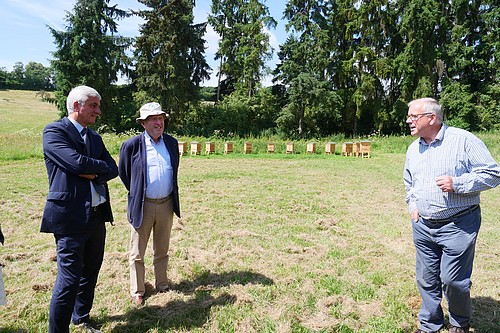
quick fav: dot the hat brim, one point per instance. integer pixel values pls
(138, 120)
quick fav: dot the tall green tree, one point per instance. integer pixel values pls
(17, 75)
(304, 59)
(370, 64)
(423, 25)
(90, 52)
(170, 62)
(4, 77)
(472, 65)
(37, 77)
(244, 45)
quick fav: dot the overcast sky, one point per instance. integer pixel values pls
(24, 35)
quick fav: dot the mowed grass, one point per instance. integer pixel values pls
(23, 116)
(266, 243)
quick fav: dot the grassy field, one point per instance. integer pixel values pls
(266, 243)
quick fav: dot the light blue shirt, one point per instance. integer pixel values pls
(456, 153)
(97, 199)
(159, 174)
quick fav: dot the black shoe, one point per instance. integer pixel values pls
(88, 328)
(454, 329)
(163, 290)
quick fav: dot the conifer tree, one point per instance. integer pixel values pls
(170, 62)
(244, 46)
(90, 52)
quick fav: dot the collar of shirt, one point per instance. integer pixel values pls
(439, 136)
(150, 139)
(76, 124)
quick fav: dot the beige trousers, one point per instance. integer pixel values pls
(158, 218)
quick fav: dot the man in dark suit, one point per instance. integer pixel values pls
(148, 167)
(78, 167)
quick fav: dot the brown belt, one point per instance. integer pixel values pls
(158, 201)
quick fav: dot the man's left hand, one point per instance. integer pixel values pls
(445, 183)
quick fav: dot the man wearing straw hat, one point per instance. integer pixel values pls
(148, 167)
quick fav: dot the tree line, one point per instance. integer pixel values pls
(33, 76)
(347, 66)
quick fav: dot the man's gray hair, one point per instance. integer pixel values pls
(80, 94)
(429, 105)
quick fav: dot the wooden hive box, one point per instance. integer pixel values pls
(311, 148)
(195, 148)
(182, 148)
(228, 147)
(355, 149)
(330, 148)
(210, 148)
(271, 148)
(347, 149)
(247, 148)
(290, 148)
(364, 149)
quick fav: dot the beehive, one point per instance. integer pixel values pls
(182, 148)
(330, 148)
(311, 148)
(209, 148)
(247, 148)
(228, 147)
(195, 148)
(347, 149)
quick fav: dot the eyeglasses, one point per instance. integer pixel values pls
(416, 117)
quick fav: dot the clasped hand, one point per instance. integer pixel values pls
(89, 177)
(445, 183)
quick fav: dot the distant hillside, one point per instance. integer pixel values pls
(24, 110)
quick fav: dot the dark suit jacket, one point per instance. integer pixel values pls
(68, 205)
(132, 171)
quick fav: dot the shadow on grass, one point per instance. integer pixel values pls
(191, 313)
(486, 316)
(214, 280)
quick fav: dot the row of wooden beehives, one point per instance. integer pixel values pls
(361, 148)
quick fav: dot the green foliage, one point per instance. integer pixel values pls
(33, 76)
(346, 67)
(244, 47)
(234, 116)
(459, 107)
(208, 94)
(378, 55)
(488, 108)
(90, 52)
(169, 57)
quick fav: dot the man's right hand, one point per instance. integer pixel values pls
(414, 215)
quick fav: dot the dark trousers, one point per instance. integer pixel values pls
(79, 259)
